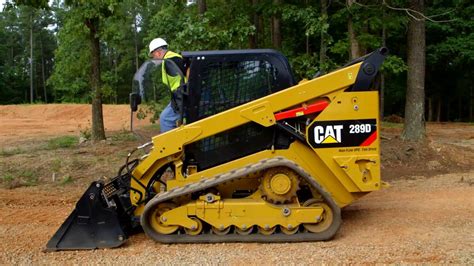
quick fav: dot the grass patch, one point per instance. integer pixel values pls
(30, 177)
(124, 136)
(12, 151)
(66, 180)
(7, 177)
(61, 142)
(56, 165)
(153, 127)
(8, 180)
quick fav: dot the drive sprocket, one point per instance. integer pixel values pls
(279, 185)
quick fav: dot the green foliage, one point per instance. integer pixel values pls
(187, 30)
(127, 26)
(16, 23)
(61, 142)
(71, 70)
(394, 64)
(305, 66)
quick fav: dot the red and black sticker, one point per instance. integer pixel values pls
(343, 133)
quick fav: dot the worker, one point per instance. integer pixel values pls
(173, 77)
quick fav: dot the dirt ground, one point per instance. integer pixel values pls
(425, 216)
(30, 121)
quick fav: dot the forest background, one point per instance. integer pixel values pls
(87, 51)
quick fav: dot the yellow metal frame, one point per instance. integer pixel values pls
(242, 213)
(345, 174)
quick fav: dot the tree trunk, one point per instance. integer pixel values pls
(43, 72)
(261, 31)
(471, 104)
(31, 59)
(354, 44)
(459, 109)
(116, 77)
(135, 37)
(253, 39)
(382, 76)
(202, 6)
(276, 26)
(438, 114)
(98, 132)
(430, 109)
(414, 127)
(448, 111)
(323, 46)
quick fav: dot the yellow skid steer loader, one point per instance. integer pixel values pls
(257, 158)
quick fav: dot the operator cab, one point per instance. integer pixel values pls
(218, 80)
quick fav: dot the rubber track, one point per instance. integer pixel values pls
(235, 174)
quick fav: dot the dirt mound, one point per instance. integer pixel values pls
(448, 148)
(29, 121)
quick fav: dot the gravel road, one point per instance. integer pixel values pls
(416, 220)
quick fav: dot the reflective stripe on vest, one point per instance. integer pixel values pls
(172, 81)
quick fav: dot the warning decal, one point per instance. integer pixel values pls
(343, 133)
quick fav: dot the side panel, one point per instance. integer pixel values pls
(346, 137)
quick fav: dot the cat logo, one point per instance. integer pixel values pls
(329, 134)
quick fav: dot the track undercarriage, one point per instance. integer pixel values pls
(277, 202)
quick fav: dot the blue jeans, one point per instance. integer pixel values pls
(168, 118)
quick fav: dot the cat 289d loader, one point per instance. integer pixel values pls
(257, 158)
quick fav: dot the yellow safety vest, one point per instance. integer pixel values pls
(172, 81)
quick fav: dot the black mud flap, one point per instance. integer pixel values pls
(91, 225)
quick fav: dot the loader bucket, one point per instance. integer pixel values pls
(92, 224)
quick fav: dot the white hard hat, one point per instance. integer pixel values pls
(156, 43)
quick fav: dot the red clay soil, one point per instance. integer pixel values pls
(31, 121)
(426, 216)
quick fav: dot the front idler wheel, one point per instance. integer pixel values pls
(157, 219)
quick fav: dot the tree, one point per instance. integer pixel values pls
(202, 6)
(355, 49)
(28, 46)
(414, 126)
(276, 24)
(90, 14)
(313, 35)
(324, 37)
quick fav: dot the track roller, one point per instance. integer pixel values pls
(289, 230)
(221, 232)
(194, 231)
(267, 230)
(244, 232)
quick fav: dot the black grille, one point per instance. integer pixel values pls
(228, 84)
